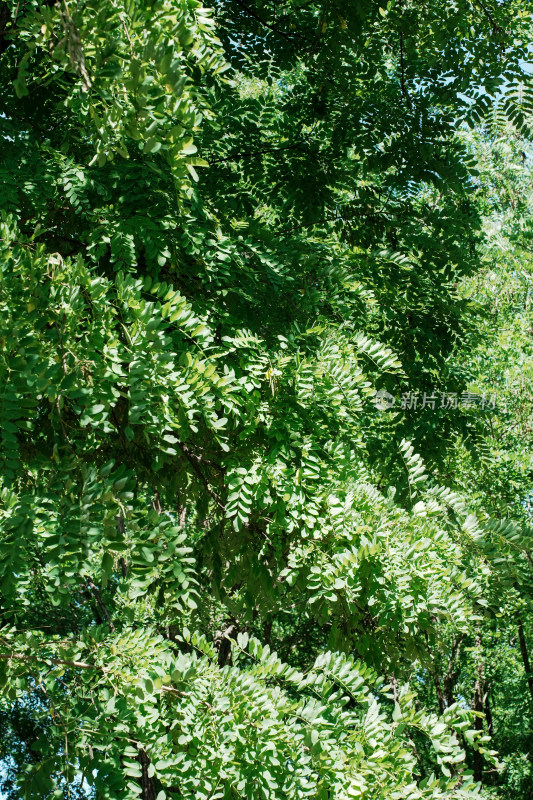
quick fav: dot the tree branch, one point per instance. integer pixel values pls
(57, 661)
(192, 459)
(272, 28)
(497, 29)
(261, 151)
(405, 93)
(5, 20)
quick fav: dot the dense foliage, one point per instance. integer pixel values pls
(257, 538)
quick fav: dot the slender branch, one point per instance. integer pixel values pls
(121, 529)
(53, 235)
(405, 93)
(479, 707)
(497, 29)
(5, 27)
(128, 37)
(289, 36)
(57, 661)
(63, 354)
(192, 459)
(262, 150)
(63, 426)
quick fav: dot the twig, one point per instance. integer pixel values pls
(121, 529)
(57, 661)
(128, 37)
(272, 28)
(405, 93)
(495, 27)
(63, 426)
(262, 151)
(63, 354)
(191, 459)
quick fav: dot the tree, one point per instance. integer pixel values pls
(214, 252)
(493, 462)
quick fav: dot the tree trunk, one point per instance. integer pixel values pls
(478, 706)
(267, 632)
(525, 657)
(148, 788)
(452, 672)
(436, 678)
(223, 643)
(488, 713)
(440, 694)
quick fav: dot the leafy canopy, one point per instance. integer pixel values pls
(221, 233)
